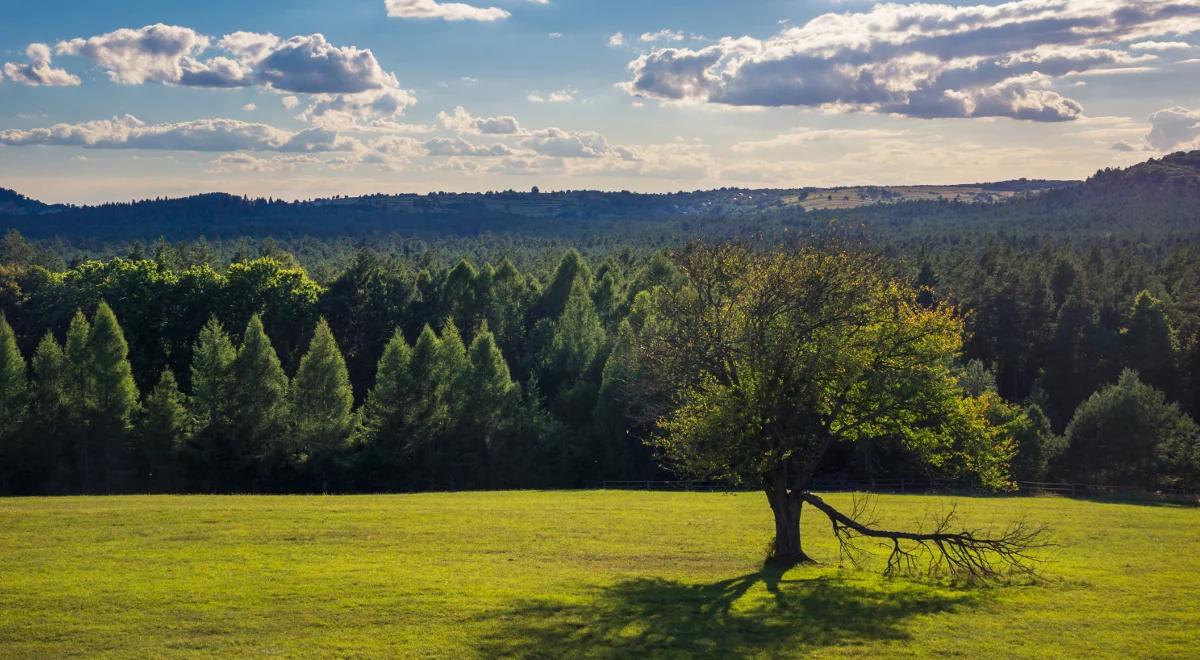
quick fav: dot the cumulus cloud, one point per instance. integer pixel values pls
(170, 54)
(456, 146)
(129, 132)
(155, 53)
(462, 121)
(1174, 128)
(38, 71)
(559, 143)
(919, 60)
(616, 40)
(449, 11)
(311, 65)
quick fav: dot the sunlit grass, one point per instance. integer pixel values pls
(564, 575)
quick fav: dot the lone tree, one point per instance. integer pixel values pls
(764, 360)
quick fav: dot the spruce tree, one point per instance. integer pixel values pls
(570, 358)
(210, 454)
(77, 390)
(385, 417)
(114, 397)
(261, 410)
(490, 399)
(1149, 345)
(14, 405)
(429, 416)
(322, 404)
(162, 429)
(51, 453)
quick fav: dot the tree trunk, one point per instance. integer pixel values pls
(785, 504)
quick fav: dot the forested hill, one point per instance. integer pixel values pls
(559, 214)
(1159, 196)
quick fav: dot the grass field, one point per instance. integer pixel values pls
(598, 574)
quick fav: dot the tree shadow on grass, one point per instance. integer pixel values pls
(658, 617)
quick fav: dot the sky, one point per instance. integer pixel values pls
(119, 100)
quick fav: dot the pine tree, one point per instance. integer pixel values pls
(1149, 345)
(162, 429)
(322, 404)
(429, 416)
(114, 396)
(261, 410)
(77, 390)
(490, 400)
(211, 452)
(571, 356)
(385, 417)
(51, 453)
(14, 405)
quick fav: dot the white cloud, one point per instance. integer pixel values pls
(1175, 128)
(290, 102)
(561, 96)
(170, 54)
(39, 72)
(155, 53)
(920, 60)
(661, 35)
(555, 35)
(1160, 45)
(456, 146)
(616, 41)
(250, 107)
(462, 121)
(129, 132)
(804, 136)
(449, 11)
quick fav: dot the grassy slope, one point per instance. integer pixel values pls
(554, 574)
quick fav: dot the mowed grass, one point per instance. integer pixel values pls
(566, 574)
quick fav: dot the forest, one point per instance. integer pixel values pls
(178, 370)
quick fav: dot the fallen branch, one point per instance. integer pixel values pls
(962, 553)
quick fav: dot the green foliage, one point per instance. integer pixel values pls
(1128, 434)
(14, 403)
(387, 414)
(114, 395)
(771, 357)
(260, 415)
(163, 428)
(322, 405)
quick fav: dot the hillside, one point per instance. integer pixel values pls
(436, 214)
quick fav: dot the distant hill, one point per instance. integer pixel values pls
(14, 203)
(1160, 195)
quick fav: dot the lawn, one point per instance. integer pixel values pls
(565, 574)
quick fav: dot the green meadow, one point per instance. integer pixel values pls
(568, 574)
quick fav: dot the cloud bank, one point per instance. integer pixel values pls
(921, 60)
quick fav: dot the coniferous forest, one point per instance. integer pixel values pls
(393, 363)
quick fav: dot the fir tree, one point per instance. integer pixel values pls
(322, 403)
(114, 396)
(260, 414)
(385, 417)
(162, 430)
(77, 390)
(211, 452)
(14, 405)
(51, 453)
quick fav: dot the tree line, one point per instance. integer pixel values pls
(399, 373)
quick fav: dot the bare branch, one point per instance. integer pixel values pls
(964, 553)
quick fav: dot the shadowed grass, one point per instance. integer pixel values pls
(595, 574)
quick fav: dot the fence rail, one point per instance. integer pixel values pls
(917, 485)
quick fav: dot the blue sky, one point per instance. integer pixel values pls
(118, 100)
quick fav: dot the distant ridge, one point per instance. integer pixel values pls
(1156, 195)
